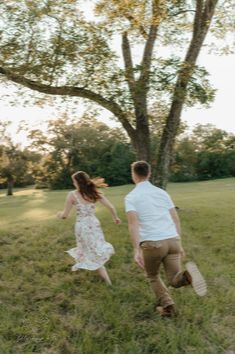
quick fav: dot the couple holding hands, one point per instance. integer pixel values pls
(154, 228)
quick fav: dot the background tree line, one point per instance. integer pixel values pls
(205, 153)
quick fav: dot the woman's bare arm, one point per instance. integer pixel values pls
(103, 200)
(69, 202)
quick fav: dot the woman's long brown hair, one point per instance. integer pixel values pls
(88, 187)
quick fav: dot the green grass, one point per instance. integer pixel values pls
(46, 308)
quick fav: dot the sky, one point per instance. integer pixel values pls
(222, 111)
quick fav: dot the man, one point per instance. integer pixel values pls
(154, 227)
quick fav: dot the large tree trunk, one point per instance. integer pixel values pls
(142, 135)
(202, 20)
(143, 147)
(141, 142)
(9, 187)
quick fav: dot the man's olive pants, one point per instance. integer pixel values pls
(168, 253)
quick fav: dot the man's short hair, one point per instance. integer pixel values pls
(141, 168)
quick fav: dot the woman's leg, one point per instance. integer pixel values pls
(104, 275)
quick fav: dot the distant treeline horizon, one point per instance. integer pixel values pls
(92, 146)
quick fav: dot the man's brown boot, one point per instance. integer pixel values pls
(168, 311)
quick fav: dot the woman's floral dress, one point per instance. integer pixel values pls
(92, 251)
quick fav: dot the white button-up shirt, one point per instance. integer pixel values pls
(152, 206)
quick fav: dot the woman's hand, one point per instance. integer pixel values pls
(59, 215)
(117, 221)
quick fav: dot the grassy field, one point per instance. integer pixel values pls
(46, 308)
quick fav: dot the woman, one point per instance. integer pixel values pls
(92, 251)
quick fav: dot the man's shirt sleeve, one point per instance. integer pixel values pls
(129, 205)
(169, 202)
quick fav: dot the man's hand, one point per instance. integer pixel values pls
(138, 257)
(182, 253)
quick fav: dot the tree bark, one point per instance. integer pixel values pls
(203, 16)
(141, 141)
(9, 187)
(139, 89)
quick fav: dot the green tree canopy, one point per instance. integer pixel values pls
(206, 153)
(87, 145)
(15, 162)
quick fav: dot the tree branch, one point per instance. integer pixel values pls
(141, 28)
(149, 46)
(126, 51)
(112, 106)
(181, 12)
(147, 56)
(209, 9)
(202, 19)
